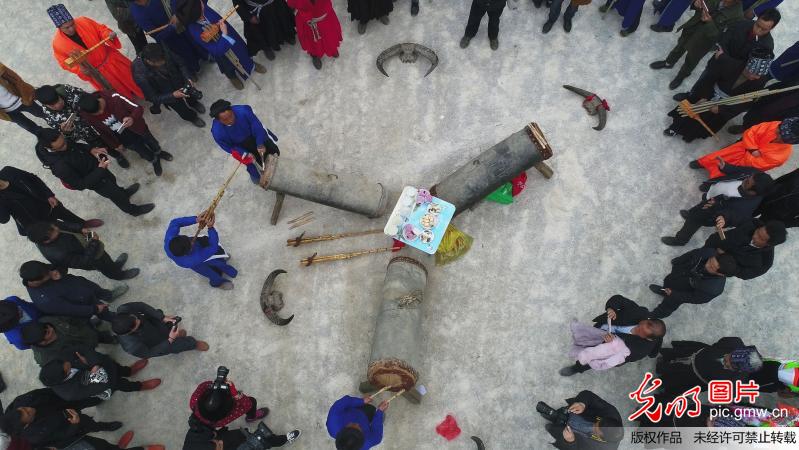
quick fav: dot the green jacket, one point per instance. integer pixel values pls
(71, 332)
(721, 19)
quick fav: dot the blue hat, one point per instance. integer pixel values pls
(746, 359)
(59, 14)
(789, 130)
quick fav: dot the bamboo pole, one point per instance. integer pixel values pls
(74, 59)
(734, 100)
(215, 202)
(687, 107)
(300, 240)
(297, 219)
(342, 256)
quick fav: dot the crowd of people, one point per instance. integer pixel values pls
(67, 316)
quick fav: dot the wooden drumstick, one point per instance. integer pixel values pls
(384, 389)
(395, 396)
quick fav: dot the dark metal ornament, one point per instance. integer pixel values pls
(408, 53)
(272, 301)
(592, 103)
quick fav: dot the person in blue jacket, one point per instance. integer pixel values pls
(205, 257)
(226, 47)
(236, 127)
(153, 14)
(355, 423)
(14, 313)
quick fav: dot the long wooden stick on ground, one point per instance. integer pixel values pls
(300, 240)
(342, 256)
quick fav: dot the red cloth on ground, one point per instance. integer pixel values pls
(107, 59)
(448, 428)
(328, 38)
(242, 404)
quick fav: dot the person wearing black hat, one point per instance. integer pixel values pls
(14, 314)
(88, 374)
(587, 422)
(56, 292)
(79, 167)
(751, 244)
(77, 248)
(121, 123)
(696, 277)
(51, 337)
(60, 106)
(165, 80)
(25, 198)
(236, 127)
(355, 423)
(728, 201)
(146, 332)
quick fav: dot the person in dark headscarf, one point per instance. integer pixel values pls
(688, 363)
(268, 24)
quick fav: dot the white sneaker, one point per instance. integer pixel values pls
(293, 436)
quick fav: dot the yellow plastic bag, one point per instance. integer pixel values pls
(454, 244)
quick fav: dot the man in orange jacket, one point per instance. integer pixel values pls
(764, 146)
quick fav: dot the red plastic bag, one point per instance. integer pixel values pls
(519, 183)
(448, 428)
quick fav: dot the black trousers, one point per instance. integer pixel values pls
(554, 11)
(476, 14)
(184, 108)
(144, 144)
(108, 188)
(60, 212)
(122, 383)
(101, 444)
(697, 218)
(138, 39)
(23, 121)
(106, 266)
(234, 438)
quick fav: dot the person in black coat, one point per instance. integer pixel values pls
(146, 332)
(782, 203)
(588, 422)
(48, 426)
(162, 78)
(94, 376)
(696, 277)
(631, 323)
(689, 363)
(268, 24)
(77, 248)
(25, 198)
(79, 167)
(479, 9)
(58, 293)
(728, 201)
(752, 246)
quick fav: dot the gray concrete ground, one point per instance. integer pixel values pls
(495, 323)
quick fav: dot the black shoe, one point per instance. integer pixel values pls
(567, 24)
(317, 62)
(660, 29)
(494, 43)
(684, 214)
(132, 189)
(384, 20)
(199, 107)
(568, 371)
(465, 41)
(604, 8)
(157, 167)
(109, 426)
(657, 289)
(361, 27)
(166, 156)
(681, 96)
(626, 32)
(547, 27)
(199, 123)
(669, 132)
(122, 161)
(672, 241)
(694, 164)
(538, 3)
(143, 209)
(270, 55)
(676, 82)
(121, 260)
(291, 40)
(735, 129)
(130, 273)
(660, 65)
(414, 8)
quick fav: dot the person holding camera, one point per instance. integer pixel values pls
(588, 422)
(121, 123)
(165, 80)
(146, 332)
(217, 403)
(355, 423)
(70, 246)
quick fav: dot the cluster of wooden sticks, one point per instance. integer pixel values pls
(302, 240)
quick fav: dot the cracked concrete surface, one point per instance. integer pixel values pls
(495, 323)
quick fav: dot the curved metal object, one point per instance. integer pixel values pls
(272, 301)
(593, 104)
(408, 52)
(479, 442)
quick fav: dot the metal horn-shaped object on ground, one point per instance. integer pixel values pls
(408, 52)
(594, 104)
(272, 301)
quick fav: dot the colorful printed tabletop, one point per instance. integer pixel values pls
(419, 219)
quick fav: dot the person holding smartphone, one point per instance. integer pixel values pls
(146, 332)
